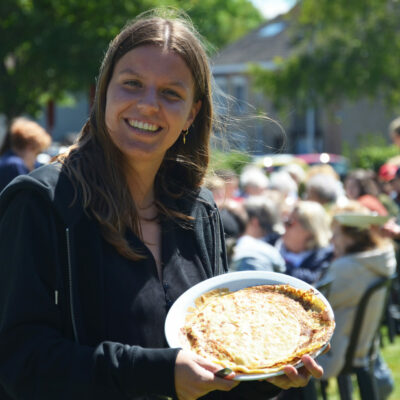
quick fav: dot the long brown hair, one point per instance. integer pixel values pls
(94, 161)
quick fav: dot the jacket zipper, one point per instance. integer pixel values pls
(214, 219)
(71, 296)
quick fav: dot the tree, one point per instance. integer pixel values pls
(52, 47)
(341, 49)
(49, 48)
(222, 21)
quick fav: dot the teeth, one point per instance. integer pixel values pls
(142, 125)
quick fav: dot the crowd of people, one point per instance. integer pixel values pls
(302, 223)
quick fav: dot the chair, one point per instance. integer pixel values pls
(365, 375)
(392, 314)
(310, 392)
(324, 284)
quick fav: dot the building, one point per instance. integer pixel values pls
(313, 130)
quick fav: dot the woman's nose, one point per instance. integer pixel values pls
(148, 103)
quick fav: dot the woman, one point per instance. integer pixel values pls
(26, 140)
(114, 233)
(362, 255)
(305, 244)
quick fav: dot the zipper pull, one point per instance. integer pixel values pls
(56, 297)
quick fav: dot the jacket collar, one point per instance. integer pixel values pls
(53, 184)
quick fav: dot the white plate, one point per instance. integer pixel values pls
(358, 220)
(233, 281)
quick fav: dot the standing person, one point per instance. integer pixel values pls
(26, 140)
(114, 232)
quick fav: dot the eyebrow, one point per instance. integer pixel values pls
(130, 71)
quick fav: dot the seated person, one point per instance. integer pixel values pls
(362, 255)
(362, 185)
(252, 181)
(323, 189)
(305, 244)
(216, 186)
(251, 252)
(231, 181)
(26, 140)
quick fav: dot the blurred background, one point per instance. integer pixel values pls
(325, 72)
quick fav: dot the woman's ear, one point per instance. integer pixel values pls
(192, 114)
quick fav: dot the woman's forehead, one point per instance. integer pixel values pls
(154, 60)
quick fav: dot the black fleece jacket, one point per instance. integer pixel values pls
(53, 342)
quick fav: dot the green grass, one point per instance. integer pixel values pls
(391, 354)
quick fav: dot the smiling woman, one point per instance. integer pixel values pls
(148, 106)
(114, 232)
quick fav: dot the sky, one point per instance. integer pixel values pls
(271, 8)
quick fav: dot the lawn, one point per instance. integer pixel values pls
(391, 354)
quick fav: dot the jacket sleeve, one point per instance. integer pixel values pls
(37, 360)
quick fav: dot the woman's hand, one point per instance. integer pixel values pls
(194, 377)
(298, 377)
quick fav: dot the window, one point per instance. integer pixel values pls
(239, 84)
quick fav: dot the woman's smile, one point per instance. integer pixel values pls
(143, 127)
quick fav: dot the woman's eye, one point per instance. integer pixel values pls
(133, 83)
(172, 93)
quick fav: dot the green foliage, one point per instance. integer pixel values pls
(372, 156)
(234, 160)
(51, 48)
(391, 354)
(221, 21)
(341, 50)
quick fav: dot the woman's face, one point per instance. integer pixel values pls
(340, 241)
(296, 236)
(150, 100)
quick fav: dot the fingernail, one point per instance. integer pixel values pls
(223, 372)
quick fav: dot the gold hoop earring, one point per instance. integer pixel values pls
(184, 134)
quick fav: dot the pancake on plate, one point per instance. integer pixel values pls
(257, 329)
